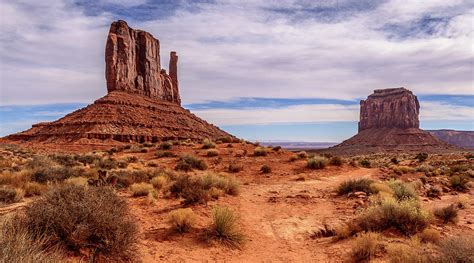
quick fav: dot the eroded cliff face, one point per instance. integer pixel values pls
(389, 108)
(132, 59)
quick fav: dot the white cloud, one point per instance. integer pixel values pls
(52, 52)
(441, 111)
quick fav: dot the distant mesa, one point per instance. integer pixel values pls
(463, 139)
(389, 123)
(143, 103)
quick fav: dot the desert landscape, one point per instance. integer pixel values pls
(136, 177)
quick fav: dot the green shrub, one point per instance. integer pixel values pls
(260, 151)
(265, 169)
(447, 214)
(365, 246)
(208, 144)
(181, 220)
(189, 162)
(225, 227)
(402, 190)
(79, 218)
(10, 194)
(459, 182)
(191, 189)
(228, 184)
(407, 216)
(365, 163)
(336, 160)
(165, 146)
(355, 185)
(164, 154)
(317, 162)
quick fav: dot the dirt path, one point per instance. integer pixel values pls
(277, 218)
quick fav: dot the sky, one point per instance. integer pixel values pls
(288, 70)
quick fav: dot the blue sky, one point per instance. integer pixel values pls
(262, 70)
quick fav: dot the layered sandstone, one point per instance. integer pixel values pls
(389, 123)
(463, 139)
(132, 59)
(142, 104)
(389, 108)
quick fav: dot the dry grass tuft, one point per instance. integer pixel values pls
(208, 144)
(409, 252)
(10, 194)
(141, 189)
(430, 236)
(457, 249)
(355, 185)
(189, 162)
(181, 220)
(260, 151)
(225, 227)
(317, 162)
(447, 214)
(365, 246)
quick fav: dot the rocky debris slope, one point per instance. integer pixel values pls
(463, 139)
(389, 123)
(142, 104)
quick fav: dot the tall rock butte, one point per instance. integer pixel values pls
(389, 123)
(142, 102)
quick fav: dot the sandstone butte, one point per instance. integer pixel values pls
(142, 104)
(389, 123)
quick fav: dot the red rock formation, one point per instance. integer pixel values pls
(132, 59)
(142, 104)
(463, 139)
(389, 108)
(389, 123)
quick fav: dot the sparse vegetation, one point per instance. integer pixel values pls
(141, 189)
(302, 155)
(459, 182)
(430, 236)
(10, 194)
(164, 154)
(421, 157)
(402, 191)
(212, 153)
(235, 167)
(225, 227)
(181, 220)
(447, 214)
(336, 160)
(189, 162)
(355, 185)
(317, 162)
(433, 192)
(159, 182)
(365, 163)
(365, 246)
(260, 151)
(79, 218)
(265, 169)
(457, 249)
(208, 144)
(165, 145)
(409, 252)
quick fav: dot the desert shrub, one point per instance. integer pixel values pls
(277, 148)
(34, 188)
(401, 169)
(148, 145)
(17, 245)
(191, 189)
(457, 249)
(87, 158)
(421, 157)
(293, 158)
(425, 168)
(53, 174)
(463, 202)
(164, 154)
(225, 227)
(165, 146)
(382, 189)
(235, 167)
(64, 159)
(226, 139)
(10, 194)
(260, 151)
(447, 214)
(265, 169)
(336, 160)
(106, 164)
(433, 192)
(365, 163)
(181, 220)
(228, 184)
(141, 189)
(430, 236)
(127, 177)
(302, 155)
(365, 246)
(189, 162)
(409, 252)
(143, 150)
(131, 159)
(458, 168)
(459, 182)
(406, 216)
(159, 182)
(317, 162)
(212, 153)
(355, 185)
(402, 190)
(152, 164)
(208, 144)
(80, 181)
(17, 179)
(79, 218)
(39, 162)
(394, 160)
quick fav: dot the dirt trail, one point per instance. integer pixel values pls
(277, 218)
